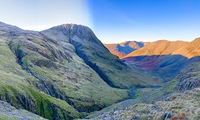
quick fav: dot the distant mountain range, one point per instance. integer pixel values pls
(160, 47)
(125, 48)
(163, 58)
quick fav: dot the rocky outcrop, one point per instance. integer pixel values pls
(189, 77)
(179, 106)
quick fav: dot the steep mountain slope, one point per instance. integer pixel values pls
(161, 47)
(23, 90)
(114, 72)
(32, 62)
(62, 72)
(124, 48)
(189, 77)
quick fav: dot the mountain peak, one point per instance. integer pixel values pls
(124, 48)
(75, 32)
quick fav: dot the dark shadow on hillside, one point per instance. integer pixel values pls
(164, 66)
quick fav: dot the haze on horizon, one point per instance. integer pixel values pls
(111, 20)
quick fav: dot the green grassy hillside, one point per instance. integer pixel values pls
(112, 70)
(22, 90)
(44, 75)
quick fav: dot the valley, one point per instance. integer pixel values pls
(66, 72)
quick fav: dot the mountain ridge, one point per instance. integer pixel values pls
(161, 47)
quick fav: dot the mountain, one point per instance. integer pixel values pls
(190, 50)
(66, 72)
(63, 72)
(177, 63)
(124, 48)
(161, 58)
(111, 69)
(161, 47)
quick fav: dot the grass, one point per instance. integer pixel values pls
(25, 61)
(112, 70)
(19, 89)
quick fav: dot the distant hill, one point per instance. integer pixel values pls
(189, 50)
(124, 48)
(161, 47)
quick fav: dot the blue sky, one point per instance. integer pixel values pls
(111, 20)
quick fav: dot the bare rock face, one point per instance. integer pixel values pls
(188, 84)
(189, 77)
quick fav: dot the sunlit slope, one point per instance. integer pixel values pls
(161, 47)
(190, 50)
(124, 48)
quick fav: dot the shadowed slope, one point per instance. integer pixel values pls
(157, 59)
(109, 67)
(164, 66)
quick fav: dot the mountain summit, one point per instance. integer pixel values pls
(124, 48)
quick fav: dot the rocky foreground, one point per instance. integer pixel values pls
(8, 112)
(179, 106)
